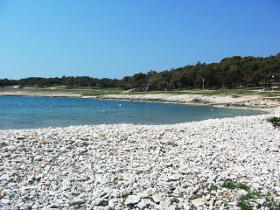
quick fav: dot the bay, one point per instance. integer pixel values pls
(18, 112)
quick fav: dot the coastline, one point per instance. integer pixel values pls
(255, 102)
(261, 105)
(124, 166)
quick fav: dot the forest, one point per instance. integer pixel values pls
(229, 73)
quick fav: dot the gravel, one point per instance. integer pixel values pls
(190, 165)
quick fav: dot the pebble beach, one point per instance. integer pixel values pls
(213, 164)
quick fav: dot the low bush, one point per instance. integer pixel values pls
(275, 121)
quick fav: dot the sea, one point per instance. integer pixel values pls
(21, 112)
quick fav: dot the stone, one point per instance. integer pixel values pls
(198, 202)
(277, 199)
(242, 192)
(102, 180)
(174, 177)
(132, 199)
(261, 201)
(184, 185)
(171, 207)
(144, 195)
(143, 204)
(112, 203)
(2, 195)
(5, 201)
(207, 197)
(256, 186)
(54, 205)
(277, 189)
(78, 201)
(4, 177)
(156, 198)
(165, 203)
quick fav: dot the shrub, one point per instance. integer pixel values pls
(275, 121)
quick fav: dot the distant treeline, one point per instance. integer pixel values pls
(233, 72)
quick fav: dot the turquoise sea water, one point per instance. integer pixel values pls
(37, 112)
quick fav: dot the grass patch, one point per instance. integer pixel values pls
(213, 188)
(95, 91)
(234, 93)
(271, 204)
(270, 94)
(252, 195)
(244, 202)
(230, 184)
(125, 195)
(84, 91)
(275, 121)
(92, 93)
(235, 96)
(244, 206)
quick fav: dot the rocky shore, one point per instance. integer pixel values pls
(248, 101)
(228, 163)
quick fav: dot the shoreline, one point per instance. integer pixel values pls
(267, 110)
(254, 102)
(243, 102)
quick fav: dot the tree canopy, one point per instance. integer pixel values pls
(229, 73)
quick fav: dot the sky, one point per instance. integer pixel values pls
(117, 38)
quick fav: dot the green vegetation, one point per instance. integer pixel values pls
(244, 206)
(275, 121)
(243, 202)
(213, 188)
(84, 91)
(230, 73)
(251, 195)
(88, 91)
(125, 195)
(234, 185)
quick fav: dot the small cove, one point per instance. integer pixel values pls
(18, 112)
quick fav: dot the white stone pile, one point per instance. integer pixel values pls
(188, 98)
(180, 166)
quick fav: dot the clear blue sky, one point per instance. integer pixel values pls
(116, 38)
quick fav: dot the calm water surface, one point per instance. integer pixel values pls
(37, 112)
